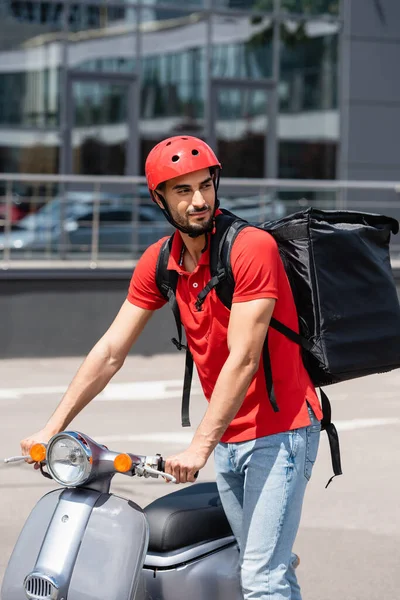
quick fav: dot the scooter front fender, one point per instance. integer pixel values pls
(27, 548)
(88, 545)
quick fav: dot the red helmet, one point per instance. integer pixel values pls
(177, 156)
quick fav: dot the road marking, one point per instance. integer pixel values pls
(127, 392)
(355, 424)
(358, 395)
(18, 393)
(152, 390)
(144, 390)
(165, 437)
(185, 437)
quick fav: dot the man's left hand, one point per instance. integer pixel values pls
(185, 465)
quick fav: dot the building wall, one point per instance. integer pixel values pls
(370, 144)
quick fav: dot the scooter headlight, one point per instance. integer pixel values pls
(69, 460)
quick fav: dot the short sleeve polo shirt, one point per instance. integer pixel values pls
(259, 273)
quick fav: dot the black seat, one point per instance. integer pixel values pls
(190, 516)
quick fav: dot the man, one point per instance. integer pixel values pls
(263, 458)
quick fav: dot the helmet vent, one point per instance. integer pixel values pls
(185, 138)
(175, 158)
(195, 152)
(169, 143)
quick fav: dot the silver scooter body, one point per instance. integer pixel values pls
(78, 544)
(84, 543)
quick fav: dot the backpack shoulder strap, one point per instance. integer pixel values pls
(220, 261)
(167, 281)
(227, 228)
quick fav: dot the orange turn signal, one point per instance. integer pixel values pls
(38, 452)
(123, 463)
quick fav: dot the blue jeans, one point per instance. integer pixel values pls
(261, 484)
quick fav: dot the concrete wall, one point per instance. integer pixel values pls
(45, 315)
(48, 314)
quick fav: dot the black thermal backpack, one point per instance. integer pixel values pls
(338, 266)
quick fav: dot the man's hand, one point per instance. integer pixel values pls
(41, 437)
(185, 465)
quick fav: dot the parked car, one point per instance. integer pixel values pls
(25, 199)
(254, 208)
(15, 214)
(66, 223)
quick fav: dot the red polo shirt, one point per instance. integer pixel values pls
(259, 273)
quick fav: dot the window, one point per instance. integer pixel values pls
(30, 86)
(312, 7)
(308, 125)
(242, 47)
(102, 38)
(173, 80)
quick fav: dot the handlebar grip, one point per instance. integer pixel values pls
(161, 467)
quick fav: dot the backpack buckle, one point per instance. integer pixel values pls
(178, 345)
(199, 305)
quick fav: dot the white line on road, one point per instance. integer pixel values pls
(152, 390)
(128, 392)
(356, 395)
(185, 437)
(355, 424)
(171, 437)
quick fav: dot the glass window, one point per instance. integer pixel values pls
(29, 75)
(262, 5)
(312, 7)
(174, 79)
(242, 46)
(30, 60)
(188, 3)
(307, 159)
(107, 216)
(100, 127)
(40, 13)
(102, 38)
(308, 64)
(241, 125)
(308, 123)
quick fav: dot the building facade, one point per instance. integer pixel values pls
(89, 87)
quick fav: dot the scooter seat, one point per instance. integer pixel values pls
(192, 515)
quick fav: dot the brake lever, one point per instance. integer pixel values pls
(161, 467)
(158, 473)
(41, 465)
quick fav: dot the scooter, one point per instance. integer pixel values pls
(82, 542)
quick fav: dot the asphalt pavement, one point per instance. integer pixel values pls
(350, 533)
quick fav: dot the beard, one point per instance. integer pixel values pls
(195, 229)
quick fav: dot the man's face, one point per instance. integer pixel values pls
(191, 200)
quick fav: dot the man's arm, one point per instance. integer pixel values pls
(101, 364)
(247, 330)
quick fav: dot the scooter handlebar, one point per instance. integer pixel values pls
(13, 459)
